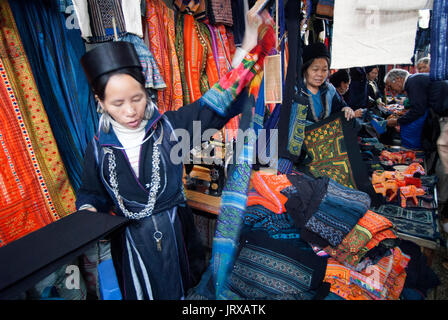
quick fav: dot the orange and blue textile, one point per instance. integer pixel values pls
(266, 192)
(370, 230)
(382, 281)
(34, 187)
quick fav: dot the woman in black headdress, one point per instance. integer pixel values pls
(129, 168)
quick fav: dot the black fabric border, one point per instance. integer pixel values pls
(26, 261)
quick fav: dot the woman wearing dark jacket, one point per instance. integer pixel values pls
(129, 166)
(322, 95)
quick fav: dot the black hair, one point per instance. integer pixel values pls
(338, 77)
(307, 64)
(99, 84)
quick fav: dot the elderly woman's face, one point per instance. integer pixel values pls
(317, 72)
(422, 67)
(125, 100)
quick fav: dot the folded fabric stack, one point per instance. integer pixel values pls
(382, 281)
(367, 234)
(324, 210)
(334, 224)
(266, 192)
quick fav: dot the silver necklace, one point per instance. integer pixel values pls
(154, 188)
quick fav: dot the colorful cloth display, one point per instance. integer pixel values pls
(334, 151)
(160, 28)
(268, 187)
(54, 53)
(259, 216)
(34, 188)
(382, 281)
(370, 230)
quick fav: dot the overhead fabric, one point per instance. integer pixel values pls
(34, 188)
(54, 53)
(360, 29)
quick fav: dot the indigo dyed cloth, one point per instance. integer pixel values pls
(54, 53)
(439, 41)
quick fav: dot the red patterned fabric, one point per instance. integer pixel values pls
(160, 26)
(34, 187)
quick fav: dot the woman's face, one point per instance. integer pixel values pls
(125, 100)
(343, 87)
(373, 74)
(317, 73)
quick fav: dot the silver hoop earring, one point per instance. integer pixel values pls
(105, 121)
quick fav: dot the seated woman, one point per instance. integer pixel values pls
(322, 95)
(341, 81)
(373, 92)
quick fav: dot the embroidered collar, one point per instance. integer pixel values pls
(110, 138)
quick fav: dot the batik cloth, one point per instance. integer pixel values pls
(153, 78)
(34, 188)
(439, 41)
(382, 281)
(220, 12)
(334, 151)
(370, 230)
(268, 187)
(419, 223)
(160, 27)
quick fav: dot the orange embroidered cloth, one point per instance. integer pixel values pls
(268, 187)
(34, 187)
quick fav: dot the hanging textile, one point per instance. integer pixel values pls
(153, 78)
(196, 8)
(160, 30)
(54, 53)
(220, 12)
(34, 189)
(439, 41)
(95, 18)
(360, 27)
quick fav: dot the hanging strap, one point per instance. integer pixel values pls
(293, 77)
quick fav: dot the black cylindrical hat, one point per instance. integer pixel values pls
(108, 57)
(315, 50)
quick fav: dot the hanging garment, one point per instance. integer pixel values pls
(359, 29)
(34, 188)
(239, 10)
(160, 30)
(95, 18)
(55, 53)
(196, 8)
(220, 12)
(149, 65)
(439, 41)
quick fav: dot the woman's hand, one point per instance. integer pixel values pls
(392, 122)
(349, 113)
(359, 112)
